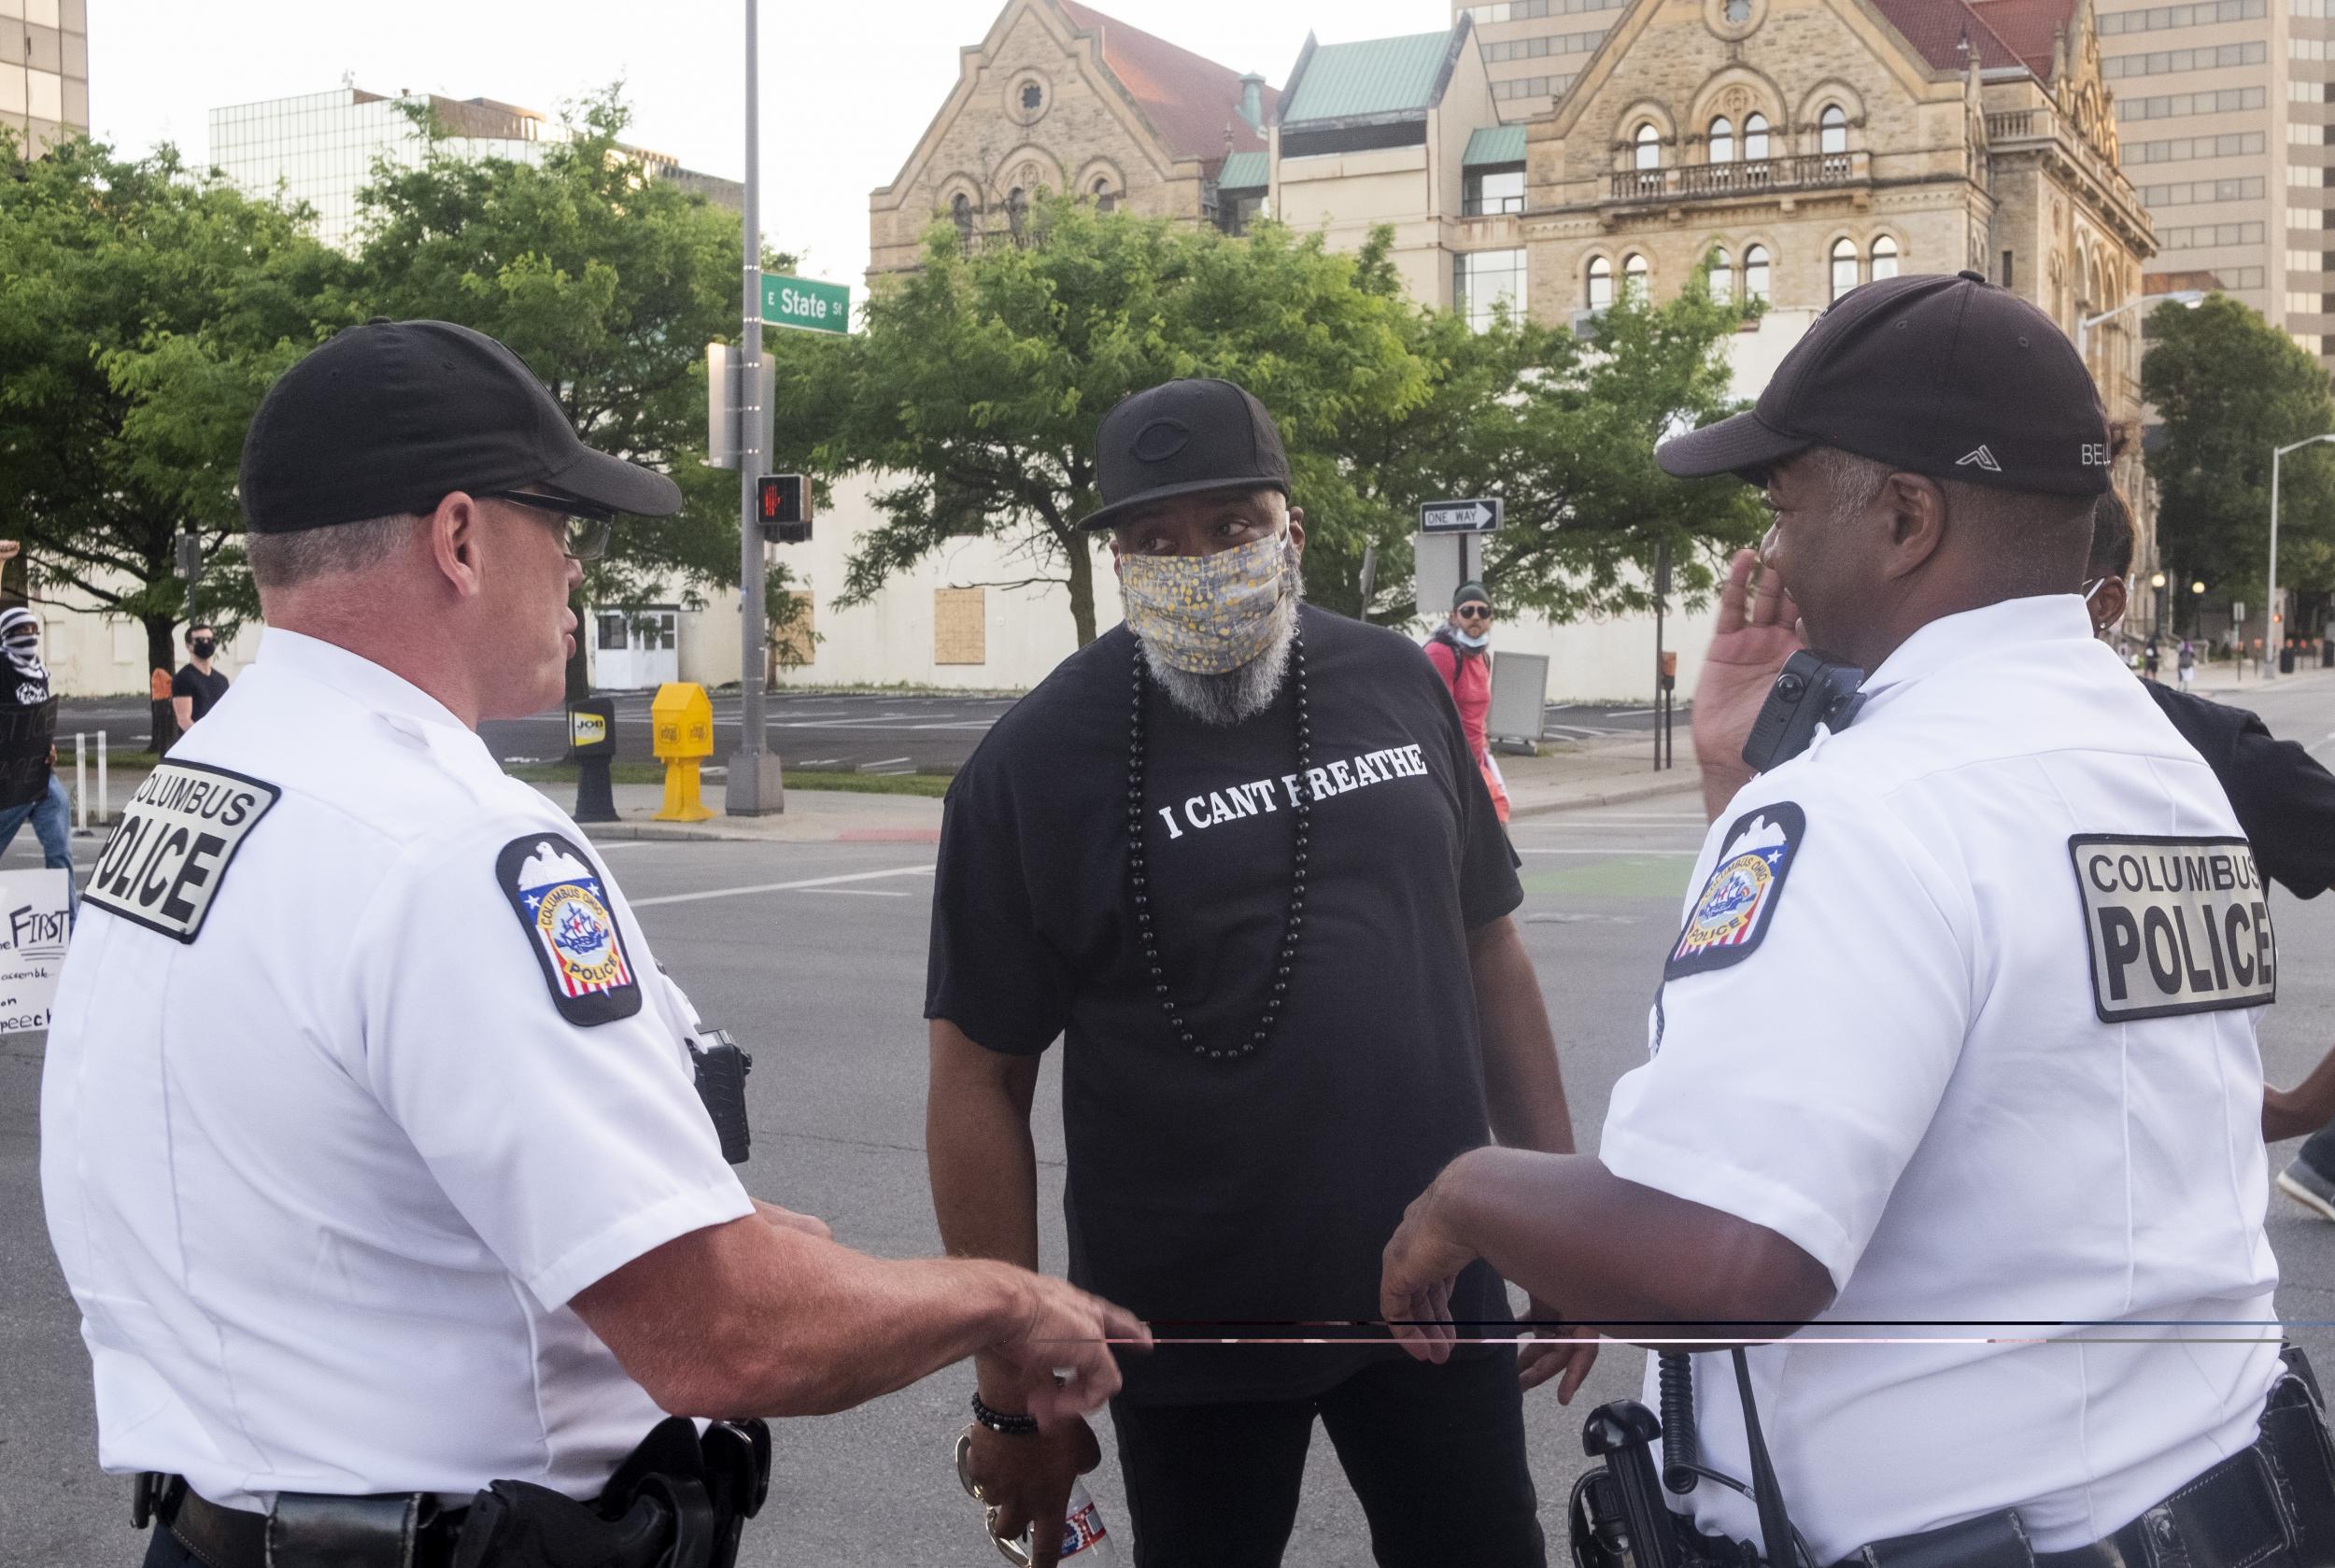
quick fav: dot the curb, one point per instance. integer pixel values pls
(1620, 797)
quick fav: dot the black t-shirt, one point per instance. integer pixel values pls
(1262, 1188)
(2284, 799)
(206, 689)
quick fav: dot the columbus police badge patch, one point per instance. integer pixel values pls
(1731, 915)
(564, 907)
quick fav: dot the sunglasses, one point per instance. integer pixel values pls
(583, 532)
(1474, 611)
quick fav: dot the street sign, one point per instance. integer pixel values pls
(805, 302)
(1459, 517)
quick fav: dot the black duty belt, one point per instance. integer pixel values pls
(2228, 1517)
(410, 1529)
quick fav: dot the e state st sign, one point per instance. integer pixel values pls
(805, 302)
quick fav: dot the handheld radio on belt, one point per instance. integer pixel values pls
(1618, 1517)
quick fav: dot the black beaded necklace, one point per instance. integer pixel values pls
(1139, 878)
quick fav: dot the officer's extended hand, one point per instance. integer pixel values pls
(1416, 1274)
(1026, 1480)
(1757, 632)
(1568, 1350)
(1060, 1356)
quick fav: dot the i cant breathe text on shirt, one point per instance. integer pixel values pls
(1234, 801)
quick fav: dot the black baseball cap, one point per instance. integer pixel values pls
(1947, 376)
(394, 416)
(1183, 438)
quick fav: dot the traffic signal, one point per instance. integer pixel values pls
(782, 503)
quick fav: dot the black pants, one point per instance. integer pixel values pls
(1436, 1454)
(164, 1550)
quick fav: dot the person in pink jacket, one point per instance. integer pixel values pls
(1461, 652)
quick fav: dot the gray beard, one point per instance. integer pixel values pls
(1224, 701)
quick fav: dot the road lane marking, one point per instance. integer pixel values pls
(779, 886)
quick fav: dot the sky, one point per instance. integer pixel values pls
(847, 86)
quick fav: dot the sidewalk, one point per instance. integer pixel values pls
(811, 818)
(1569, 776)
(2223, 681)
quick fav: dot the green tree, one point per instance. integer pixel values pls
(975, 393)
(144, 309)
(975, 388)
(2229, 387)
(609, 284)
(1572, 451)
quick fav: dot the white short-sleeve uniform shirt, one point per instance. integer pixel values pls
(1965, 1006)
(360, 1069)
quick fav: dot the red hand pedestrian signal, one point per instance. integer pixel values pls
(782, 505)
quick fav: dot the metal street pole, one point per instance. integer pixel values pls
(2270, 605)
(754, 787)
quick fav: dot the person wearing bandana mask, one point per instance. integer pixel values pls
(50, 809)
(1235, 854)
(196, 689)
(1461, 652)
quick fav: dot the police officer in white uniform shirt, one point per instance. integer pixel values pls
(1953, 1056)
(370, 1144)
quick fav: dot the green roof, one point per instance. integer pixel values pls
(1378, 77)
(1497, 143)
(1243, 171)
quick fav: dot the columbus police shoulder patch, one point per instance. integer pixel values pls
(564, 907)
(1731, 915)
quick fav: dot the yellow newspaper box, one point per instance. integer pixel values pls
(681, 722)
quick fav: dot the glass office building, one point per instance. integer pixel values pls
(44, 70)
(322, 148)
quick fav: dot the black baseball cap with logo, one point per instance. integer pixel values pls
(1185, 438)
(394, 416)
(1951, 377)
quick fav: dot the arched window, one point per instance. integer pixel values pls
(1755, 138)
(1755, 272)
(1844, 267)
(961, 214)
(1649, 150)
(1634, 272)
(1884, 258)
(1831, 133)
(1722, 141)
(1600, 283)
(1105, 199)
(1016, 209)
(1722, 273)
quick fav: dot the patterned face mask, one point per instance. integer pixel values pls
(1206, 615)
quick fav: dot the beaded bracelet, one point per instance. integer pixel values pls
(997, 1421)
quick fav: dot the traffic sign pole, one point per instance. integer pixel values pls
(755, 786)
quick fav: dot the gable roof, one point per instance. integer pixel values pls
(2003, 33)
(1244, 170)
(1189, 101)
(1377, 77)
(2029, 27)
(1494, 144)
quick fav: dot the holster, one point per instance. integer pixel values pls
(676, 1501)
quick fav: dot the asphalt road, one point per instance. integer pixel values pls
(867, 732)
(823, 985)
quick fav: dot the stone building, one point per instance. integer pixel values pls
(1062, 98)
(1803, 146)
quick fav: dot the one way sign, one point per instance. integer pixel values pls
(1459, 517)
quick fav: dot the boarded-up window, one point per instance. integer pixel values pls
(960, 626)
(797, 643)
